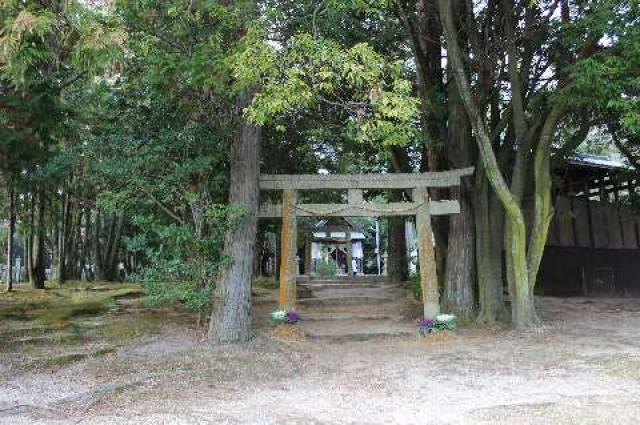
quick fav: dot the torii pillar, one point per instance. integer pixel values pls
(288, 262)
(426, 255)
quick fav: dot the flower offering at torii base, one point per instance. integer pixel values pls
(442, 322)
(284, 316)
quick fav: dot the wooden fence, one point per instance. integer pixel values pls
(581, 223)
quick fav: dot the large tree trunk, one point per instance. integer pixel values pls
(459, 297)
(38, 266)
(62, 245)
(97, 254)
(543, 210)
(86, 248)
(54, 235)
(28, 255)
(26, 240)
(522, 303)
(105, 246)
(397, 265)
(459, 294)
(231, 316)
(10, 236)
(72, 237)
(113, 248)
(489, 223)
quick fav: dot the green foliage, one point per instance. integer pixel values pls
(416, 286)
(368, 89)
(23, 37)
(607, 81)
(196, 299)
(160, 139)
(326, 267)
(180, 265)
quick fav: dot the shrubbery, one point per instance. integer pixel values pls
(414, 281)
(326, 267)
(179, 265)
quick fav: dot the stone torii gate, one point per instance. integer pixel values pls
(420, 207)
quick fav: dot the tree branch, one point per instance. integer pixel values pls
(624, 150)
(162, 206)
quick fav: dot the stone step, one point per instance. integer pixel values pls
(345, 285)
(387, 307)
(357, 329)
(348, 316)
(347, 300)
(331, 293)
(342, 279)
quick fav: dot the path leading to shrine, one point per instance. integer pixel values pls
(355, 308)
(583, 366)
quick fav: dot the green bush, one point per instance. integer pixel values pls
(414, 281)
(327, 267)
(179, 265)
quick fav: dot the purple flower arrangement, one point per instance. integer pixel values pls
(284, 316)
(292, 317)
(426, 326)
(442, 322)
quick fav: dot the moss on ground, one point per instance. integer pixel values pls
(123, 329)
(66, 316)
(267, 283)
(64, 325)
(59, 304)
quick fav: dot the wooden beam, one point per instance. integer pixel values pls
(363, 181)
(364, 210)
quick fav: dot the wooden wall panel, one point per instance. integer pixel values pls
(614, 228)
(599, 224)
(564, 222)
(593, 224)
(552, 238)
(629, 236)
(582, 227)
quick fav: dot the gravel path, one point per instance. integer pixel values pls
(581, 367)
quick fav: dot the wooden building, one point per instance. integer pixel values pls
(335, 239)
(594, 240)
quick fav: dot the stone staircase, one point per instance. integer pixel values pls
(352, 308)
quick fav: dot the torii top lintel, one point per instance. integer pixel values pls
(363, 181)
(355, 184)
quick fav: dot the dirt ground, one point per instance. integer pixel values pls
(581, 367)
